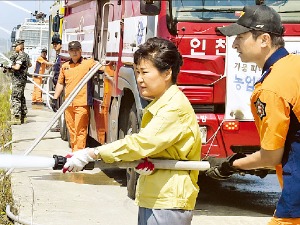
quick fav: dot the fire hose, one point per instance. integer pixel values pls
(29, 78)
(38, 86)
(57, 162)
(62, 108)
(49, 96)
(16, 218)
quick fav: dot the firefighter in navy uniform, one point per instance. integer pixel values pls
(275, 105)
(57, 45)
(19, 70)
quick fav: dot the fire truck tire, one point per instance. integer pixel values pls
(131, 175)
(68, 139)
(63, 129)
(91, 142)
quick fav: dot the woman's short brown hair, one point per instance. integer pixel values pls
(162, 53)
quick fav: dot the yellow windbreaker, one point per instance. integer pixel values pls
(169, 130)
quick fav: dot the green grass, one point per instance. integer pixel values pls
(5, 136)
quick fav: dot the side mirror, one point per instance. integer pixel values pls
(260, 2)
(56, 23)
(150, 7)
(13, 36)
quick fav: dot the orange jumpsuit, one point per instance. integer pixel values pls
(77, 113)
(275, 105)
(40, 67)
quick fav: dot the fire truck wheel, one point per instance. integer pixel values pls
(131, 175)
(68, 139)
(63, 129)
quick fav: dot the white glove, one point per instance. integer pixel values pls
(77, 160)
(145, 168)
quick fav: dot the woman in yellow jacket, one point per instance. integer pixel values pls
(169, 130)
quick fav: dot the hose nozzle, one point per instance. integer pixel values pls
(59, 162)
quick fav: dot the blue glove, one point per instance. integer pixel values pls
(54, 105)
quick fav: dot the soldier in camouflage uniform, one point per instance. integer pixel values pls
(19, 77)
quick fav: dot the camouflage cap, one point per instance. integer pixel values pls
(74, 45)
(19, 41)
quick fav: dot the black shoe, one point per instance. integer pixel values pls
(24, 120)
(40, 103)
(56, 128)
(15, 120)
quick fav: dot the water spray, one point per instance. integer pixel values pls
(28, 78)
(4, 57)
(22, 162)
(17, 6)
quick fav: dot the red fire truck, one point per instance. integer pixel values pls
(111, 30)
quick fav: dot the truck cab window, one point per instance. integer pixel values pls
(228, 11)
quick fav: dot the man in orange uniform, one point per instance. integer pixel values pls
(40, 67)
(77, 113)
(275, 105)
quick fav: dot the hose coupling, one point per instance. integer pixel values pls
(59, 162)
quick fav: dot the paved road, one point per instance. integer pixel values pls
(48, 197)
